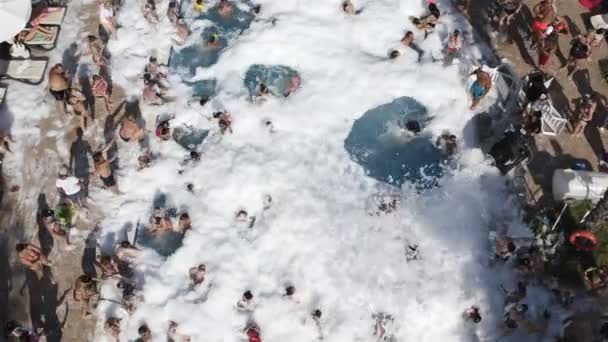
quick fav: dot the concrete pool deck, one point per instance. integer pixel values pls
(552, 152)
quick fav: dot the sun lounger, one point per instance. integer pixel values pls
(24, 70)
(2, 94)
(599, 21)
(54, 16)
(552, 122)
(44, 42)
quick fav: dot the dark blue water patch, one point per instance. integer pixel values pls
(391, 154)
(164, 244)
(189, 137)
(184, 61)
(276, 77)
(203, 88)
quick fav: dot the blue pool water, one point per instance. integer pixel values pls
(390, 154)
(185, 60)
(276, 77)
(164, 244)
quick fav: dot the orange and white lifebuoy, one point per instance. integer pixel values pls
(584, 240)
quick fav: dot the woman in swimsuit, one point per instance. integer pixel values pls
(77, 101)
(130, 130)
(100, 89)
(95, 47)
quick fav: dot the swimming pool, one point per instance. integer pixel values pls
(390, 153)
(185, 60)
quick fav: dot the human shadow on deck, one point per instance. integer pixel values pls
(71, 58)
(80, 152)
(44, 303)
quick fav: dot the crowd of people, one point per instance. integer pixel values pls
(73, 182)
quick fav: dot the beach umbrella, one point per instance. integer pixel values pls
(14, 15)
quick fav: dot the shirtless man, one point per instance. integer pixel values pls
(112, 327)
(126, 252)
(32, 257)
(198, 274)
(58, 85)
(78, 102)
(53, 226)
(107, 266)
(480, 87)
(159, 222)
(103, 167)
(225, 8)
(85, 290)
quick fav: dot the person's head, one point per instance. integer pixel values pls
(476, 317)
(199, 2)
(195, 155)
(96, 77)
(91, 38)
(63, 172)
(147, 78)
(413, 126)
(511, 247)
(172, 4)
(151, 4)
(143, 331)
(393, 54)
(203, 101)
(184, 216)
(521, 308)
(153, 59)
(105, 260)
(247, 295)
(456, 33)
(241, 214)
(317, 314)
(202, 268)
(85, 279)
(20, 247)
(58, 68)
(212, 38)
(263, 89)
(434, 9)
(125, 244)
(600, 31)
(47, 212)
(290, 290)
(97, 157)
